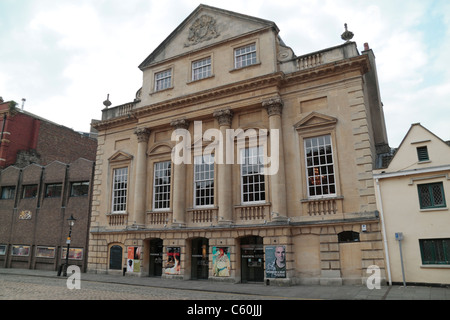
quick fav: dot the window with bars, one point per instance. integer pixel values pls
(435, 251)
(245, 56)
(53, 190)
(161, 185)
(201, 69)
(320, 166)
(120, 186)
(252, 177)
(163, 80)
(431, 195)
(204, 180)
(422, 154)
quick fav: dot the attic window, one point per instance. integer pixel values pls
(422, 154)
(245, 56)
(163, 80)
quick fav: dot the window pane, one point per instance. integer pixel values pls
(201, 69)
(120, 184)
(8, 192)
(163, 80)
(53, 190)
(253, 185)
(319, 166)
(245, 56)
(204, 180)
(161, 185)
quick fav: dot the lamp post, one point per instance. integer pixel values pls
(71, 222)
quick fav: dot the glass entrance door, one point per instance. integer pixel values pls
(200, 259)
(252, 259)
(156, 257)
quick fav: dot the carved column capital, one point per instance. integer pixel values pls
(180, 124)
(142, 134)
(224, 117)
(273, 105)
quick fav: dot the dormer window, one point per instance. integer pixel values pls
(163, 80)
(422, 154)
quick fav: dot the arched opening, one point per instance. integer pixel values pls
(115, 257)
(348, 236)
(252, 259)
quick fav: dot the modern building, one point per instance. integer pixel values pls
(35, 203)
(26, 138)
(241, 161)
(413, 191)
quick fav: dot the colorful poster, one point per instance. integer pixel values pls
(275, 261)
(221, 261)
(173, 261)
(134, 259)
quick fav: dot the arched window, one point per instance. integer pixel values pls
(348, 236)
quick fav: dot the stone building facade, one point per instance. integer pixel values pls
(240, 161)
(35, 203)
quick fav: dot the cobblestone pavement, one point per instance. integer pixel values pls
(18, 287)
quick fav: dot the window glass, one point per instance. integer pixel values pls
(431, 195)
(30, 191)
(79, 189)
(245, 56)
(161, 185)
(201, 69)
(120, 185)
(204, 180)
(53, 190)
(319, 166)
(8, 192)
(163, 80)
(252, 177)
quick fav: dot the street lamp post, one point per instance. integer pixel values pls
(71, 222)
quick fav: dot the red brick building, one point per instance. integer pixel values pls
(26, 138)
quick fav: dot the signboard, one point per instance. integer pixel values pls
(221, 261)
(134, 259)
(173, 261)
(275, 261)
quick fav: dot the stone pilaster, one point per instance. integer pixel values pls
(274, 107)
(179, 183)
(224, 175)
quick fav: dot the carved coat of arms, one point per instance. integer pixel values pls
(203, 29)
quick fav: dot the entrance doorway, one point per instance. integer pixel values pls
(200, 259)
(156, 258)
(115, 257)
(252, 259)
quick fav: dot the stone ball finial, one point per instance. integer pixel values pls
(347, 35)
(107, 103)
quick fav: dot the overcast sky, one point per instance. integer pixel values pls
(65, 56)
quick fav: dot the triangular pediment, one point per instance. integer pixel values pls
(205, 26)
(120, 156)
(315, 119)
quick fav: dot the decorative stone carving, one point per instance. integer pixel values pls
(203, 29)
(142, 134)
(224, 117)
(180, 124)
(347, 35)
(273, 106)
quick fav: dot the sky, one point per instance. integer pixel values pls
(65, 56)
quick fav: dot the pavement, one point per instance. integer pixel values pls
(294, 292)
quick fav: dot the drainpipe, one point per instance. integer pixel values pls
(3, 128)
(383, 229)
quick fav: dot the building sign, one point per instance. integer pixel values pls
(173, 261)
(221, 261)
(275, 261)
(25, 215)
(134, 259)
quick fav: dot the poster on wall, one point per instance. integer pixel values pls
(221, 261)
(275, 261)
(173, 261)
(134, 259)
(18, 250)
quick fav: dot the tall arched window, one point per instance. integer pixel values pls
(115, 257)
